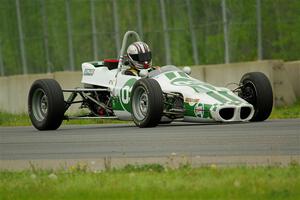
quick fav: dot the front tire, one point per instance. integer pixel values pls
(46, 106)
(256, 89)
(146, 103)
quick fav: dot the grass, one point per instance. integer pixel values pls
(286, 112)
(7, 119)
(153, 181)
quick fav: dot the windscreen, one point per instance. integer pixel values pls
(163, 69)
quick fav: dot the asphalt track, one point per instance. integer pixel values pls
(273, 137)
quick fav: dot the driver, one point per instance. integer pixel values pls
(139, 57)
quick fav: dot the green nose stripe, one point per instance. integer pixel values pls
(170, 75)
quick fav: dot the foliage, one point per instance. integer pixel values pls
(280, 31)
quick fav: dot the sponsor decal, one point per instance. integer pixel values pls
(88, 72)
(125, 94)
(199, 110)
(190, 100)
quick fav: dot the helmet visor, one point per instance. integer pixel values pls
(142, 57)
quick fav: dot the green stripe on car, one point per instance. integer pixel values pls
(231, 97)
(116, 104)
(199, 89)
(189, 110)
(182, 74)
(217, 97)
(170, 75)
(209, 87)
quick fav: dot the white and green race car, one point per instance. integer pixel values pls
(150, 98)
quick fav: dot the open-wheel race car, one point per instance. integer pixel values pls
(149, 98)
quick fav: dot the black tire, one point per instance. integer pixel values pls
(146, 103)
(46, 106)
(257, 90)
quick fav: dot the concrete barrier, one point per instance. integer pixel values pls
(14, 91)
(293, 72)
(69, 80)
(198, 72)
(284, 78)
(4, 101)
(283, 89)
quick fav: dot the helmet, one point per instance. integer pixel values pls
(139, 55)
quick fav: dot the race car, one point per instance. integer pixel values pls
(163, 95)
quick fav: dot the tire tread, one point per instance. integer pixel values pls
(56, 104)
(264, 98)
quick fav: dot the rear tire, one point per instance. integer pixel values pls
(146, 103)
(46, 106)
(256, 90)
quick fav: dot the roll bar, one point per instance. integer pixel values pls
(124, 42)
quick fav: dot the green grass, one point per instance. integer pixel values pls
(154, 182)
(286, 112)
(7, 119)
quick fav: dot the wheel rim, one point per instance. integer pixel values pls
(249, 93)
(140, 103)
(39, 104)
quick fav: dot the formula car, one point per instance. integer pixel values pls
(150, 98)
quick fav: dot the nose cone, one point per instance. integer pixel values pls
(231, 113)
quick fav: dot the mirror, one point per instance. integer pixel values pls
(187, 70)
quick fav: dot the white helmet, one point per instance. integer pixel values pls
(139, 55)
